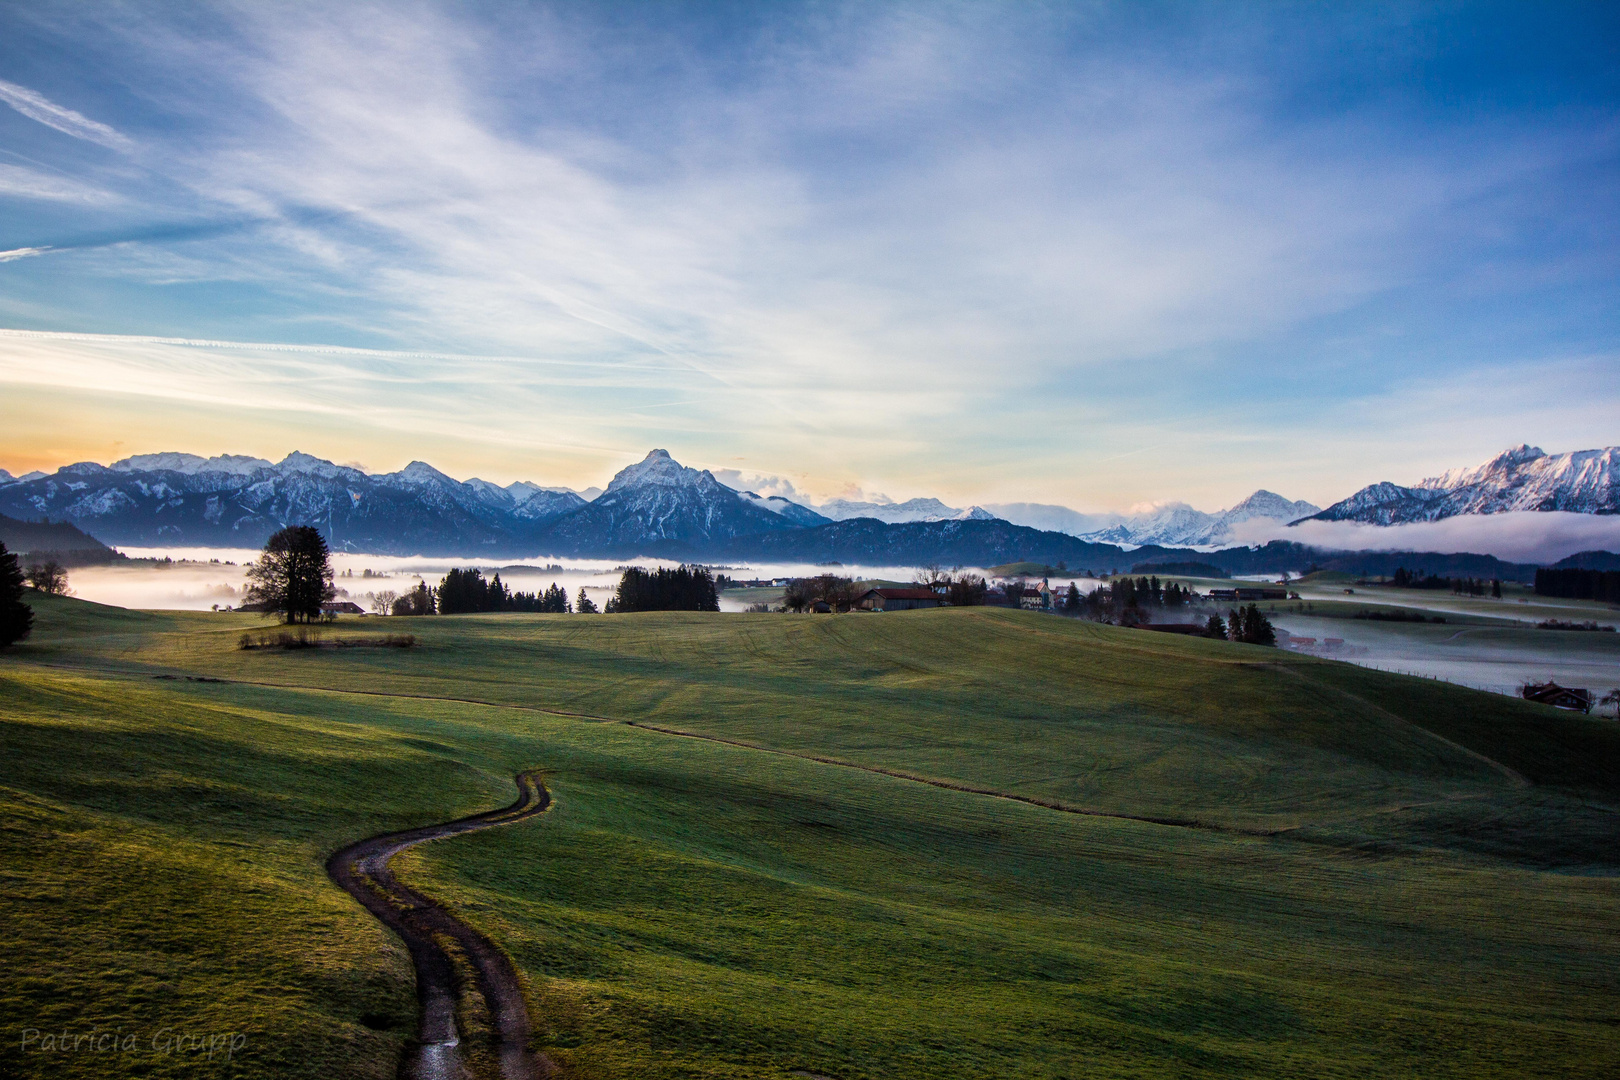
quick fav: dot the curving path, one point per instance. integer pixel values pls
(437, 940)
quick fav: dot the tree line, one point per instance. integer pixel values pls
(681, 588)
(1579, 584)
(466, 592)
(1124, 600)
(1464, 586)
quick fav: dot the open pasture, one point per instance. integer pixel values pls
(1283, 866)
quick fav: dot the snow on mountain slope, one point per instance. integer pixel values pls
(191, 464)
(1520, 479)
(787, 508)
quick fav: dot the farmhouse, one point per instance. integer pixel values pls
(1574, 699)
(897, 599)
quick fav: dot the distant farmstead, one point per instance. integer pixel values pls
(342, 607)
(1575, 699)
(897, 599)
(1249, 594)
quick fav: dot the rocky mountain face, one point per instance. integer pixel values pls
(1521, 479)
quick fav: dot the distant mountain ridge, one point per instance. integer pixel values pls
(1173, 523)
(1523, 478)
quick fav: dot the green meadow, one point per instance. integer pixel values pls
(1178, 858)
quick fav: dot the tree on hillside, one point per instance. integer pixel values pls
(1215, 628)
(584, 605)
(1071, 600)
(16, 617)
(49, 577)
(382, 603)
(293, 577)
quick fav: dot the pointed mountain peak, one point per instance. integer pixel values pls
(420, 472)
(658, 468)
(299, 462)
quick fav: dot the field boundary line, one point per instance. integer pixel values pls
(951, 785)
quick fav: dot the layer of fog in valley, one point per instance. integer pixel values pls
(200, 579)
(1495, 658)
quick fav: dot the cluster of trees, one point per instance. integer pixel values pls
(1467, 586)
(422, 600)
(960, 589)
(1125, 599)
(1248, 625)
(683, 588)
(16, 617)
(837, 592)
(49, 577)
(1580, 584)
(466, 591)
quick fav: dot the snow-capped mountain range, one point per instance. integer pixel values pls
(1174, 524)
(658, 506)
(1521, 479)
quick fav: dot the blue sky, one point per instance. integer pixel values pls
(1091, 254)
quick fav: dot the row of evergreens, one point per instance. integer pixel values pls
(1580, 584)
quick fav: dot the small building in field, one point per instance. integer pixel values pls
(342, 607)
(1573, 698)
(897, 599)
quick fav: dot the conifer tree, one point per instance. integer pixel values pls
(16, 617)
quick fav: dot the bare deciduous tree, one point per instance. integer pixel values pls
(49, 577)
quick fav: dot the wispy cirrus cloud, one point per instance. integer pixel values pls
(37, 106)
(38, 184)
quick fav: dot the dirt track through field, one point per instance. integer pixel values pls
(447, 953)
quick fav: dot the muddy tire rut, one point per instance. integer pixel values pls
(459, 971)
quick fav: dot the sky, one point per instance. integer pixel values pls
(1092, 254)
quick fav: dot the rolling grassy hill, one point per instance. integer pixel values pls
(1180, 858)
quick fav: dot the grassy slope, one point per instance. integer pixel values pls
(690, 908)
